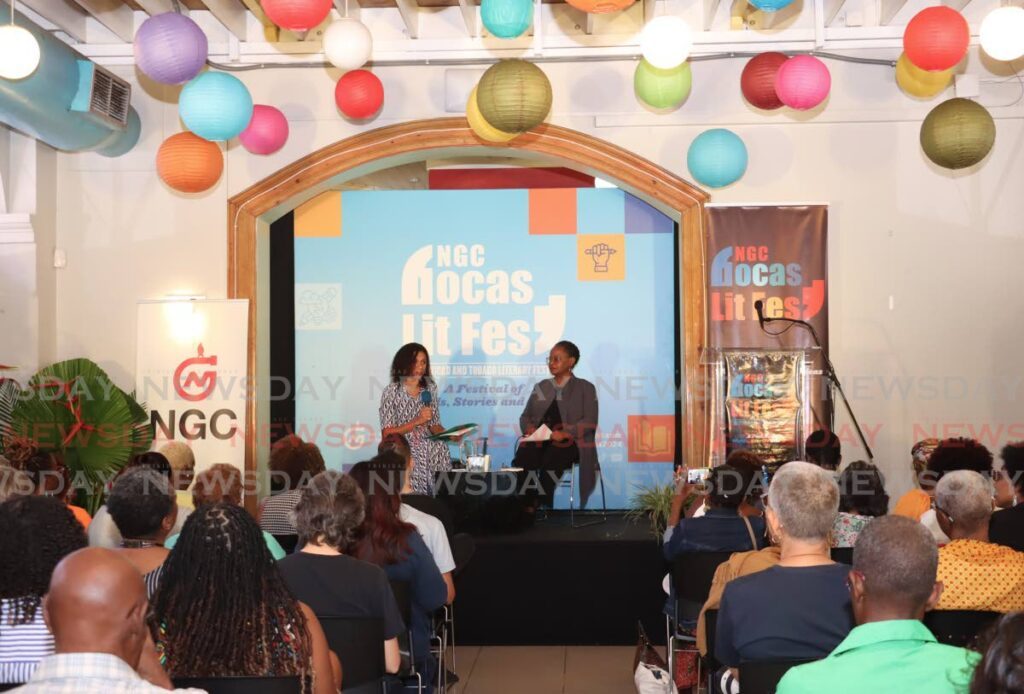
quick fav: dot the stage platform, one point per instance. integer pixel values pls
(556, 585)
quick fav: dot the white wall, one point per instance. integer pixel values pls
(923, 263)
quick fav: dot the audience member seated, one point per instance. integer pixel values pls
(222, 483)
(183, 466)
(1007, 527)
(391, 543)
(321, 574)
(293, 462)
(1001, 670)
(977, 574)
(143, 507)
(917, 501)
(36, 532)
(861, 497)
(47, 473)
(224, 610)
(824, 449)
(749, 466)
(14, 483)
(951, 455)
(892, 585)
(800, 608)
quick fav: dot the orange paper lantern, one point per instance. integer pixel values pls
(600, 6)
(188, 163)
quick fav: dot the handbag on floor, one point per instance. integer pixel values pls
(650, 672)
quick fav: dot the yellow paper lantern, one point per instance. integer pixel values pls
(479, 125)
(920, 83)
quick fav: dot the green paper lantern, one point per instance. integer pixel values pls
(662, 89)
(958, 133)
(514, 95)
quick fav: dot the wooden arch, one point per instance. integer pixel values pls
(251, 212)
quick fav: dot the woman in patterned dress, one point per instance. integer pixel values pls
(404, 410)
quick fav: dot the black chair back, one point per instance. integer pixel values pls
(403, 596)
(959, 627)
(287, 542)
(241, 685)
(842, 555)
(6, 687)
(359, 644)
(692, 574)
(710, 632)
(763, 678)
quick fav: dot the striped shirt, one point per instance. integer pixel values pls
(152, 581)
(22, 646)
(90, 673)
(276, 517)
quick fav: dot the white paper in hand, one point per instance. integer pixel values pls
(542, 433)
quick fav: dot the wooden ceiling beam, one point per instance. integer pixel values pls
(114, 15)
(65, 15)
(232, 15)
(152, 7)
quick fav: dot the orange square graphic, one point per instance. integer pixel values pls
(319, 217)
(601, 257)
(651, 438)
(553, 211)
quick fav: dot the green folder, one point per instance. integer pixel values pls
(452, 432)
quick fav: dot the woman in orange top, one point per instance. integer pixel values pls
(916, 502)
(49, 474)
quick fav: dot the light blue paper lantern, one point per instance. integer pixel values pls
(506, 19)
(215, 106)
(770, 5)
(717, 158)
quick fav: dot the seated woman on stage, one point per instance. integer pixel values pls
(568, 407)
(409, 406)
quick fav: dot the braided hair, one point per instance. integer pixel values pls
(36, 532)
(222, 608)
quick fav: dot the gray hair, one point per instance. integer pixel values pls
(805, 498)
(14, 483)
(139, 501)
(899, 560)
(965, 496)
(330, 509)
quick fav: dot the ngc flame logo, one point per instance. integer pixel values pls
(195, 378)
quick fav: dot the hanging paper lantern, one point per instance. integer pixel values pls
(770, 5)
(215, 106)
(506, 19)
(170, 48)
(1002, 33)
(19, 52)
(514, 95)
(347, 44)
(359, 94)
(936, 38)
(757, 82)
(920, 83)
(297, 15)
(267, 131)
(957, 133)
(662, 89)
(666, 41)
(188, 163)
(717, 158)
(802, 82)
(600, 6)
(479, 125)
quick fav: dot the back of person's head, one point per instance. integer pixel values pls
(1013, 464)
(387, 474)
(293, 462)
(749, 466)
(14, 483)
(965, 498)
(140, 503)
(222, 604)
(898, 560)
(44, 468)
(330, 510)
(920, 452)
(152, 460)
(805, 500)
(725, 488)
(862, 490)
(220, 482)
(383, 537)
(395, 443)
(1001, 670)
(959, 454)
(823, 449)
(182, 461)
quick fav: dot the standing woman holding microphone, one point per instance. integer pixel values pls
(408, 406)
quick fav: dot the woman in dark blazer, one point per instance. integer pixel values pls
(568, 406)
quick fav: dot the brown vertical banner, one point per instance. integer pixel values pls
(777, 255)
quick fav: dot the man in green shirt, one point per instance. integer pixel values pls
(892, 585)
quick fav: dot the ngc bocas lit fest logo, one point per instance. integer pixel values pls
(193, 379)
(743, 275)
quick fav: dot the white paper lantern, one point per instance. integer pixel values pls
(666, 41)
(19, 52)
(348, 44)
(1002, 33)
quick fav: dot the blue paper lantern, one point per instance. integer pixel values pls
(506, 19)
(770, 5)
(215, 106)
(717, 158)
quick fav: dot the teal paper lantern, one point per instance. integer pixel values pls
(215, 106)
(662, 89)
(717, 158)
(770, 5)
(506, 19)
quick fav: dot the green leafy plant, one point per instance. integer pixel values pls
(652, 504)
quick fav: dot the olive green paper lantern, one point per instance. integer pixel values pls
(662, 89)
(958, 133)
(514, 95)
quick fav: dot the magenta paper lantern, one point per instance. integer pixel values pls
(802, 82)
(267, 131)
(170, 48)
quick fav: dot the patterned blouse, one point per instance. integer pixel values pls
(22, 646)
(398, 408)
(847, 527)
(980, 576)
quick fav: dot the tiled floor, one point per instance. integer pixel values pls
(544, 669)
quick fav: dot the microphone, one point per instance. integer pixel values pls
(759, 307)
(426, 398)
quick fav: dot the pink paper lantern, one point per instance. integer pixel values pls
(267, 131)
(802, 82)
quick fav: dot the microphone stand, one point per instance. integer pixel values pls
(830, 374)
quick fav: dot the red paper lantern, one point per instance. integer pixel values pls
(188, 163)
(936, 38)
(297, 15)
(758, 80)
(600, 6)
(359, 94)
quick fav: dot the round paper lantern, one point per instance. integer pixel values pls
(665, 41)
(770, 5)
(359, 94)
(188, 163)
(717, 158)
(802, 82)
(296, 15)
(957, 133)
(936, 38)
(347, 44)
(1002, 33)
(267, 131)
(757, 82)
(600, 6)
(506, 19)
(920, 83)
(170, 48)
(19, 52)
(514, 95)
(662, 88)
(215, 106)
(481, 128)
